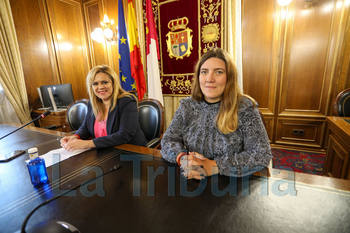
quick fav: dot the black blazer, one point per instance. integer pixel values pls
(122, 125)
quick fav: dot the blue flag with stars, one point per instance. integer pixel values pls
(126, 80)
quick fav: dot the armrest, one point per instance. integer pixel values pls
(154, 143)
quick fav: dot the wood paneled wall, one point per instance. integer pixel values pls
(52, 42)
(101, 53)
(292, 57)
(98, 51)
(69, 38)
(39, 67)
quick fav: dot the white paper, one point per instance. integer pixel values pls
(51, 157)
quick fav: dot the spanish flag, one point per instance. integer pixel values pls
(135, 57)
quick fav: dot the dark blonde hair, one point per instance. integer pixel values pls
(227, 118)
(118, 91)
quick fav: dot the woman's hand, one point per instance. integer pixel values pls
(65, 140)
(196, 166)
(73, 143)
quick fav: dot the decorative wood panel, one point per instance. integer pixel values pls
(105, 53)
(36, 54)
(68, 32)
(337, 158)
(269, 125)
(260, 47)
(293, 58)
(111, 9)
(309, 132)
(341, 78)
(93, 16)
(338, 149)
(305, 81)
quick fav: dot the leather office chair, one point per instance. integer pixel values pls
(134, 93)
(75, 114)
(341, 105)
(151, 118)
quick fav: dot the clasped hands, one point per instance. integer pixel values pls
(71, 143)
(195, 166)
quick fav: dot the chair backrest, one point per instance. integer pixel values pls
(134, 93)
(151, 118)
(76, 113)
(341, 106)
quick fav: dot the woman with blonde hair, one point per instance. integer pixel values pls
(112, 117)
(218, 129)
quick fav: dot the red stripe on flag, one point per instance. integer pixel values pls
(135, 56)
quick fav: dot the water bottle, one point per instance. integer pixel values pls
(36, 167)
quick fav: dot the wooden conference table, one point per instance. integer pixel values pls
(148, 194)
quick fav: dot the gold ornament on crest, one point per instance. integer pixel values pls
(179, 85)
(210, 32)
(210, 46)
(210, 12)
(179, 43)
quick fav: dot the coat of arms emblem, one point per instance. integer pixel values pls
(179, 39)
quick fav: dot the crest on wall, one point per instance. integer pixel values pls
(179, 39)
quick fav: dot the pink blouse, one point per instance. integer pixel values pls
(100, 128)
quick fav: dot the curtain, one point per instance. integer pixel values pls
(11, 73)
(234, 36)
(7, 113)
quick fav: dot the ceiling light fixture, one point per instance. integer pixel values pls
(106, 32)
(284, 2)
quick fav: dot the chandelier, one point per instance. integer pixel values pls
(106, 32)
(283, 2)
(311, 1)
(286, 2)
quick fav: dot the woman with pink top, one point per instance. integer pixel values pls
(112, 117)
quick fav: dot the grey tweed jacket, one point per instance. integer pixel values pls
(239, 153)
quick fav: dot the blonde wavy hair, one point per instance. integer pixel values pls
(227, 117)
(118, 91)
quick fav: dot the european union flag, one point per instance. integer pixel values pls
(126, 80)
